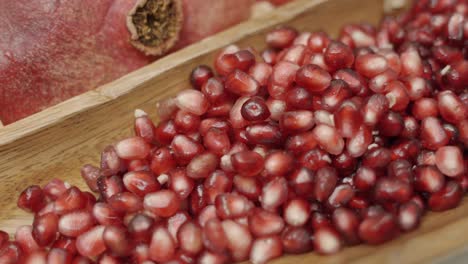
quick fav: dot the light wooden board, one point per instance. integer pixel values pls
(59, 140)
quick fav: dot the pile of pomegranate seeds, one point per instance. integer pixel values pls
(312, 145)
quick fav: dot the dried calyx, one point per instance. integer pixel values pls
(155, 25)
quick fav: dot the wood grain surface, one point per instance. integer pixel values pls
(55, 143)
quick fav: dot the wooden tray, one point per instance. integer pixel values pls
(59, 140)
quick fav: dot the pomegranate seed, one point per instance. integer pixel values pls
(335, 94)
(397, 96)
(282, 78)
(139, 229)
(140, 183)
(274, 194)
(247, 163)
(377, 157)
(242, 84)
(166, 108)
(230, 205)
(174, 222)
(329, 139)
(58, 255)
(216, 183)
(378, 83)
(32, 199)
(428, 179)
(36, 257)
(186, 122)
(265, 249)
(296, 121)
(451, 107)
(447, 198)
(296, 240)
(425, 107)
(370, 65)
(324, 183)
(185, 149)
(106, 215)
(217, 141)
(261, 72)
(91, 243)
(192, 101)
(117, 240)
(107, 188)
(411, 127)
(357, 145)
(200, 76)
(111, 164)
(162, 246)
(409, 216)
(326, 241)
(75, 223)
(239, 240)
(202, 165)
(55, 188)
(315, 159)
(433, 135)
(206, 214)
(207, 257)
(341, 195)
(255, 109)
(300, 143)
(72, 199)
(411, 63)
(449, 160)
(197, 199)
(323, 117)
(213, 89)
(296, 212)
(247, 186)
(313, 78)
(144, 127)
(25, 239)
(378, 228)
(213, 236)
(318, 41)
(294, 54)
(298, 98)
(90, 175)
(132, 148)
(394, 190)
(276, 108)
(347, 223)
(338, 55)
(165, 132)
(190, 238)
(125, 202)
(263, 223)
(347, 120)
(163, 203)
(281, 37)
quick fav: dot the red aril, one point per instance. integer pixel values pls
(449, 160)
(265, 249)
(326, 241)
(163, 203)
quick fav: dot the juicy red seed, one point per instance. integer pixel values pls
(255, 109)
(265, 249)
(72, 199)
(197, 199)
(213, 89)
(374, 109)
(24, 237)
(163, 203)
(313, 78)
(347, 120)
(250, 187)
(357, 145)
(105, 215)
(391, 125)
(140, 183)
(449, 160)
(370, 65)
(90, 175)
(216, 183)
(162, 161)
(58, 255)
(409, 216)
(338, 55)
(185, 149)
(411, 127)
(190, 238)
(397, 96)
(117, 240)
(425, 107)
(111, 163)
(379, 228)
(202, 165)
(242, 84)
(411, 63)
(75, 223)
(192, 101)
(55, 188)
(296, 121)
(91, 243)
(433, 135)
(296, 240)
(346, 221)
(139, 228)
(125, 202)
(278, 163)
(326, 241)
(162, 247)
(329, 139)
(340, 196)
(302, 181)
(186, 122)
(144, 127)
(447, 198)
(239, 240)
(264, 134)
(174, 222)
(377, 157)
(264, 223)
(315, 159)
(294, 54)
(32, 199)
(296, 212)
(132, 148)
(324, 183)
(428, 179)
(301, 142)
(299, 98)
(213, 236)
(229, 206)
(206, 214)
(318, 41)
(180, 183)
(247, 163)
(451, 108)
(365, 178)
(261, 72)
(393, 190)
(108, 186)
(335, 94)
(200, 76)
(281, 37)
(378, 83)
(274, 193)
